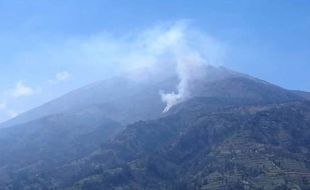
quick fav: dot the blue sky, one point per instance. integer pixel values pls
(49, 47)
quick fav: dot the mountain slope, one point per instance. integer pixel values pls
(51, 141)
(120, 99)
(256, 147)
(303, 94)
(203, 143)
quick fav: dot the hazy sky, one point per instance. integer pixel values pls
(49, 47)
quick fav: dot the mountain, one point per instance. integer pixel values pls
(125, 100)
(233, 132)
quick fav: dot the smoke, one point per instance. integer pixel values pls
(169, 49)
(188, 52)
(188, 67)
(164, 50)
(155, 53)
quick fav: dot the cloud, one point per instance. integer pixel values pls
(6, 112)
(21, 90)
(12, 114)
(2, 105)
(10, 99)
(60, 77)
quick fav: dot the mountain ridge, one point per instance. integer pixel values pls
(217, 81)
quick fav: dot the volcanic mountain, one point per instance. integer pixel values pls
(233, 132)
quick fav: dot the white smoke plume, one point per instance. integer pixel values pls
(168, 49)
(156, 53)
(188, 66)
(188, 57)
